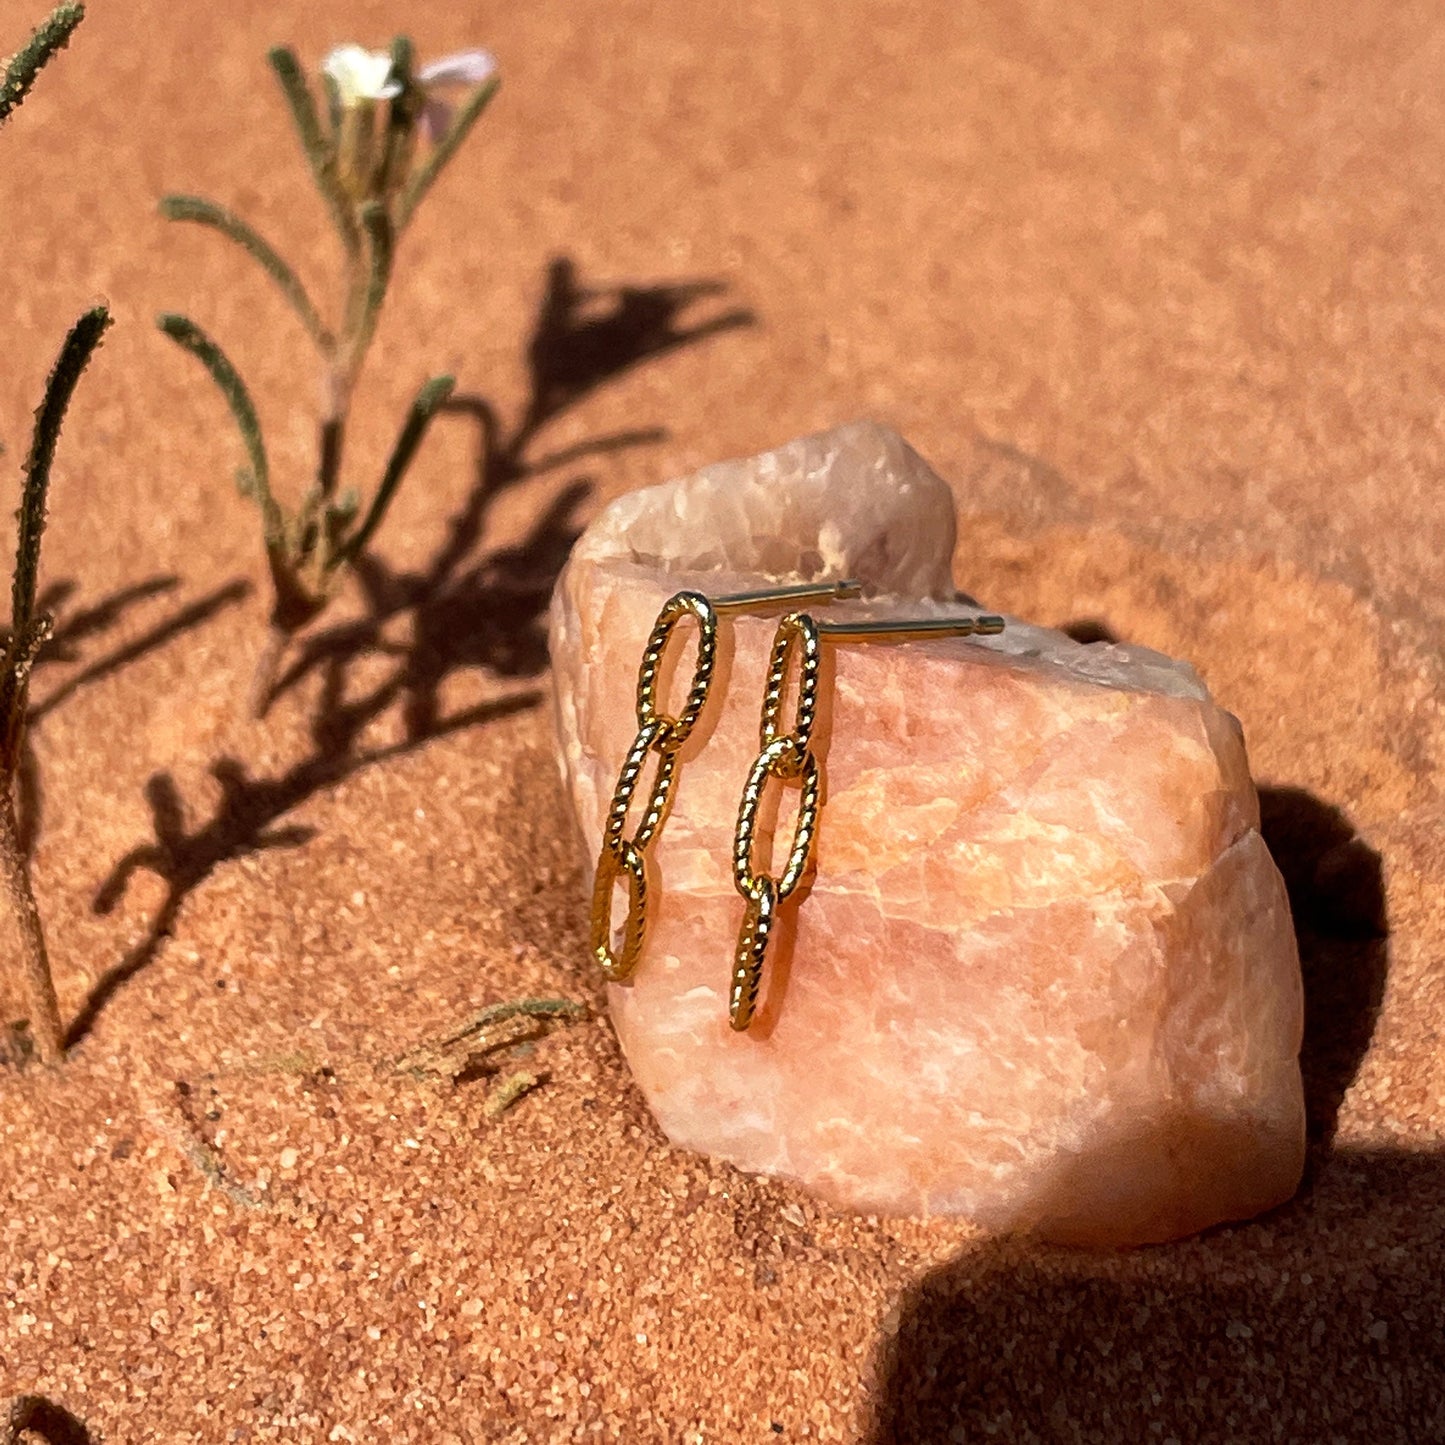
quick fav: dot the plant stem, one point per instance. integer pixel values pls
(15, 877)
(338, 383)
(328, 448)
(268, 667)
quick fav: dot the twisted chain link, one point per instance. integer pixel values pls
(628, 857)
(684, 604)
(796, 635)
(788, 756)
(785, 756)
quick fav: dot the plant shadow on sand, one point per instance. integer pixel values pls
(32, 1417)
(74, 630)
(1320, 1321)
(66, 645)
(463, 610)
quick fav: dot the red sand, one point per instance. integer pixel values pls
(1163, 300)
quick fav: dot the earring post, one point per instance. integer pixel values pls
(803, 592)
(988, 625)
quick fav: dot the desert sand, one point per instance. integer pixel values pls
(1161, 293)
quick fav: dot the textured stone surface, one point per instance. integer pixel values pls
(1045, 975)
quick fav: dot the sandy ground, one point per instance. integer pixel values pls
(1161, 289)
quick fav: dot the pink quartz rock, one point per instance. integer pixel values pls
(1044, 975)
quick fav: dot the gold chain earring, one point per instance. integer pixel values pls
(664, 735)
(789, 755)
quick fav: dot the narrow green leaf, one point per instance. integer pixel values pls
(51, 35)
(78, 348)
(401, 60)
(532, 1007)
(367, 302)
(512, 1088)
(333, 102)
(444, 150)
(402, 114)
(208, 213)
(320, 151)
(186, 334)
(428, 401)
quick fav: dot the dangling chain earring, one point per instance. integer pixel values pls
(789, 755)
(664, 735)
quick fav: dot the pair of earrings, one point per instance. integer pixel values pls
(785, 756)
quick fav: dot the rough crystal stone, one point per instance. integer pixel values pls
(1044, 975)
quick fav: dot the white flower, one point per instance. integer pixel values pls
(360, 75)
(466, 67)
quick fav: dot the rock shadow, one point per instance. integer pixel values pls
(1321, 1322)
(1336, 890)
(1088, 630)
(463, 609)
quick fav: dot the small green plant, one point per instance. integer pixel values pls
(29, 631)
(375, 149)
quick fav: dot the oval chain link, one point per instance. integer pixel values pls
(784, 756)
(757, 929)
(628, 860)
(684, 604)
(782, 760)
(797, 635)
(652, 738)
(664, 735)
